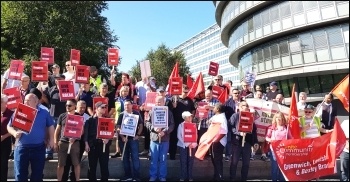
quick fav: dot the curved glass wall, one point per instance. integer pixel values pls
(320, 45)
(283, 16)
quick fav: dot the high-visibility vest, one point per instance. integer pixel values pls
(317, 121)
(96, 83)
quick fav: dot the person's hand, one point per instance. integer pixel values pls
(160, 134)
(71, 140)
(192, 145)
(51, 144)
(124, 139)
(55, 147)
(18, 134)
(242, 133)
(256, 147)
(2, 138)
(105, 141)
(87, 148)
(136, 137)
(158, 130)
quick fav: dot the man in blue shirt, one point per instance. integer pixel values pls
(30, 147)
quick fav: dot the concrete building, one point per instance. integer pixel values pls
(204, 47)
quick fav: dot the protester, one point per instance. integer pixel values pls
(237, 149)
(279, 100)
(259, 95)
(218, 82)
(70, 75)
(186, 155)
(125, 82)
(55, 72)
(327, 112)
(272, 92)
(85, 95)
(6, 143)
(245, 92)
(277, 131)
(62, 143)
(10, 83)
(25, 86)
(132, 144)
(103, 93)
(95, 79)
(141, 89)
(158, 149)
(30, 148)
(302, 101)
(152, 84)
(344, 156)
(94, 146)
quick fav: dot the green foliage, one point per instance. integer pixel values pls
(26, 26)
(162, 62)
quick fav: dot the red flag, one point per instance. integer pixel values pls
(293, 116)
(341, 91)
(189, 81)
(175, 72)
(197, 87)
(207, 140)
(223, 96)
(337, 143)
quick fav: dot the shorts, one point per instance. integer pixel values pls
(74, 153)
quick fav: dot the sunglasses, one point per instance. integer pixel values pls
(245, 85)
(67, 64)
(217, 79)
(103, 107)
(236, 93)
(69, 105)
(308, 112)
(245, 105)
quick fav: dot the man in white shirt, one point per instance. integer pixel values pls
(302, 101)
(70, 75)
(9, 83)
(141, 89)
(344, 156)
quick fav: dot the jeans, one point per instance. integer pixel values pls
(173, 143)
(95, 155)
(33, 154)
(5, 154)
(276, 174)
(344, 166)
(131, 150)
(228, 147)
(237, 151)
(186, 163)
(158, 154)
(49, 151)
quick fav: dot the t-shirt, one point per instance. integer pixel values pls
(141, 89)
(272, 95)
(10, 82)
(62, 122)
(71, 77)
(57, 107)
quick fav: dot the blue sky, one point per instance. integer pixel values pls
(142, 26)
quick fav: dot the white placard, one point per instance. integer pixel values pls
(145, 69)
(160, 116)
(129, 124)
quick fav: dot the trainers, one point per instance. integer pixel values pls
(126, 179)
(48, 157)
(152, 179)
(227, 158)
(145, 152)
(115, 155)
(162, 179)
(190, 180)
(264, 158)
(252, 157)
(11, 155)
(181, 180)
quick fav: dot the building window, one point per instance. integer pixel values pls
(322, 55)
(299, 19)
(343, 9)
(338, 53)
(314, 85)
(286, 61)
(313, 16)
(326, 83)
(285, 88)
(309, 57)
(302, 85)
(328, 12)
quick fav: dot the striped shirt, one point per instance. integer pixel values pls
(313, 131)
(211, 113)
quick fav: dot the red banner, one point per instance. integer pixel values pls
(150, 100)
(206, 140)
(66, 90)
(24, 118)
(213, 68)
(201, 111)
(246, 120)
(40, 71)
(83, 74)
(104, 100)
(16, 69)
(48, 55)
(74, 126)
(75, 57)
(105, 128)
(190, 132)
(113, 56)
(14, 97)
(175, 86)
(217, 90)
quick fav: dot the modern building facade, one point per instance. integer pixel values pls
(205, 47)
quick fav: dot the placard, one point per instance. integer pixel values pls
(74, 126)
(150, 100)
(14, 97)
(129, 124)
(160, 116)
(40, 71)
(47, 55)
(176, 86)
(113, 56)
(201, 111)
(24, 118)
(66, 90)
(83, 74)
(217, 90)
(135, 107)
(145, 69)
(104, 100)
(16, 69)
(213, 68)
(75, 57)
(190, 132)
(105, 128)
(246, 120)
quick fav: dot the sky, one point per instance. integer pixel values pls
(142, 26)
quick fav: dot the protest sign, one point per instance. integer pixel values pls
(83, 74)
(201, 111)
(74, 126)
(104, 100)
(113, 56)
(145, 69)
(129, 124)
(135, 107)
(217, 90)
(66, 90)
(75, 57)
(213, 68)
(14, 97)
(150, 100)
(105, 129)
(40, 71)
(24, 118)
(246, 120)
(175, 86)
(160, 116)
(190, 132)
(16, 69)
(47, 55)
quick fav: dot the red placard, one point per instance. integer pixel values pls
(75, 57)
(74, 126)
(14, 97)
(83, 74)
(100, 99)
(24, 118)
(190, 132)
(48, 55)
(40, 71)
(150, 100)
(113, 56)
(201, 111)
(175, 86)
(16, 69)
(105, 128)
(246, 120)
(217, 90)
(66, 90)
(213, 68)
(135, 107)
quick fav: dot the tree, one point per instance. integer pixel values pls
(26, 26)
(162, 62)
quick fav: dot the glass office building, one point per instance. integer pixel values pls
(205, 47)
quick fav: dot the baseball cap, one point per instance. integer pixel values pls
(152, 78)
(273, 83)
(186, 114)
(24, 76)
(93, 68)
(55, 66)
(60, 76)
(160, 90)
(309, 106)
(99, 104)
(36, 92)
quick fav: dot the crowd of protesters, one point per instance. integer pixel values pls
(46, 136)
